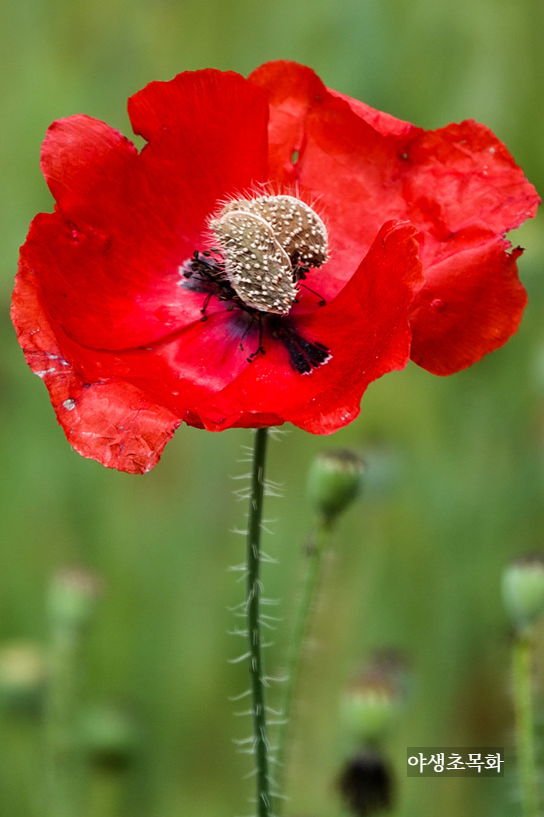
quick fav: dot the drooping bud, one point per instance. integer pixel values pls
(263, 241)
(335, 480)
(523, 590)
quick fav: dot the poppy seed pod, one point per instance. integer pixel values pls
(368, 712)
(523, 590)
(371, 703)
(335, 480)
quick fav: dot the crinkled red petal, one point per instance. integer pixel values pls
(367, 331)
(109, 257)
(109, 420)
(460, 177)
(472, 304)
(367, 166)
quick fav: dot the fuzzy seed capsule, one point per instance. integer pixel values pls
(263, 241)
(297, 227)
(258, 268)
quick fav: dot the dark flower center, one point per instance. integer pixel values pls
(266, 246)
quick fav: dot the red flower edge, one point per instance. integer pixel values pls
(105, 318)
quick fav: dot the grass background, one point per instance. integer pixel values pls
(455, 484)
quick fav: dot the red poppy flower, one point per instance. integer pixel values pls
(260, 260)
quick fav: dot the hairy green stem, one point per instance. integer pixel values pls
(314, 551)
(253, 600)
(522, 654)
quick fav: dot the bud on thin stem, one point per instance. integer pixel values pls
(335, 480)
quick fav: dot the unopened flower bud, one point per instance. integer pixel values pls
(523, 590)
(335, 480)
(371, 703)
(72, 597)
(22, 675)
(367, 712)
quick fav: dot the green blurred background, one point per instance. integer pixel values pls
(455, 485)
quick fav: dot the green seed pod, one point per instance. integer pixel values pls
(523, 590)
(371, 703)
(335, 480)
(367, 713)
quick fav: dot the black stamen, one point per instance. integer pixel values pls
(205, 305)
(260, 349)
(322, 300)
(304, 354)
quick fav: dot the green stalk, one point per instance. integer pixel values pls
(63, 772)
(313, 563)
(253, 598)
(71, 602)
(522, 654)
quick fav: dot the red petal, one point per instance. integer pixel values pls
(462, 176)
(111, 421)
(386, 124)
(207, 134)
(471, 304)
(366, 330)
(109, 259)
